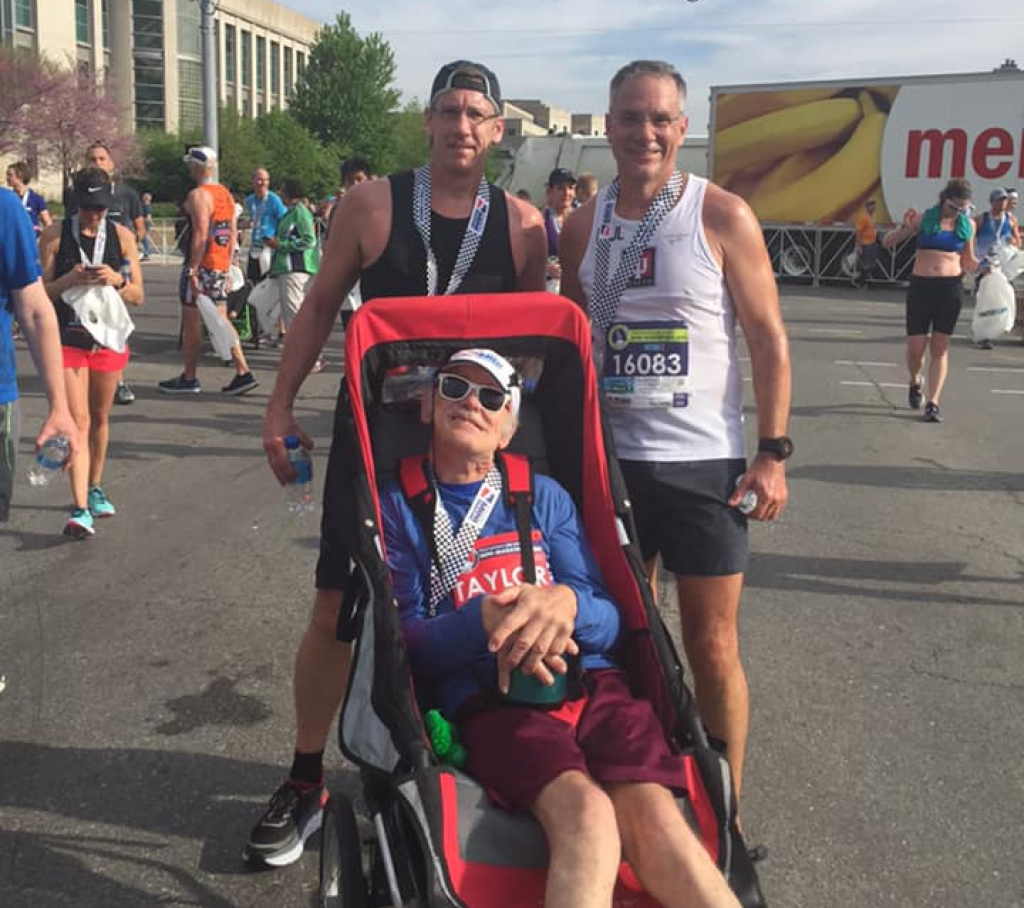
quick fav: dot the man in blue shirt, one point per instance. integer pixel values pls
(22, 295)
(595, 770)
(264, 209)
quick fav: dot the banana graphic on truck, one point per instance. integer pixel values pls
(813, 153)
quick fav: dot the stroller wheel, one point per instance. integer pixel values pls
(342, 883)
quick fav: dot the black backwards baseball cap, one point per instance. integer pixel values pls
(470, 76)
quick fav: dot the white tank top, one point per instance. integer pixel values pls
(667, 365)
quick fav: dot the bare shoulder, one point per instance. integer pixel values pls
(725, 212)
(580, 222)
(50, 235)
(363, 216)
(366, 196)
(523, 213)
(126, 237)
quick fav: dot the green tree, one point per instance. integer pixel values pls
(241, 149)
(345, 95)
(409, 148)
(163, 172)
(292, 151)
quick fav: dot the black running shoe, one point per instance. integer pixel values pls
(932, 413)
(240, 384)
(915, 397)
(293, 816)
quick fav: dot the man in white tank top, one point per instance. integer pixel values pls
(693, 261)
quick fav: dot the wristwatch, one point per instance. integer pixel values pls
(780, 448)
(122, 285)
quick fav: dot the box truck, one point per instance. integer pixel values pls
(807, 155)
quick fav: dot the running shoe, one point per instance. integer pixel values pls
(181, 385)
(985, 345)
(79, 525)
(99, 504)
(915, 397)
(124, 395)
(932, 413)
(295, 813)
(241, 384)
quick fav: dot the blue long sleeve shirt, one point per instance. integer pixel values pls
(448, 652)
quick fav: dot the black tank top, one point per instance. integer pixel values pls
(401, 269)
(72, 332)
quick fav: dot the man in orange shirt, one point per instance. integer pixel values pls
(211, 212)
(867, 244)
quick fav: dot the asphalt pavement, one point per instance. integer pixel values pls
(146, 715)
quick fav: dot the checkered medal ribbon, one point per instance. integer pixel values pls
(453, 549)
(604, 301)
(470, 239)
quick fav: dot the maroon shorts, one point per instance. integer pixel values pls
(610, 736)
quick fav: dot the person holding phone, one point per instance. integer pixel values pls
(90, 252)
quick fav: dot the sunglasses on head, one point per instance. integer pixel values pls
(455, 387)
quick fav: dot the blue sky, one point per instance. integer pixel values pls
(565, 51)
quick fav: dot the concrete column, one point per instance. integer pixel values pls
(171, 91)
(222, 75)
(122, 63)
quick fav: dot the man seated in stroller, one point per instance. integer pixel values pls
(596, 771)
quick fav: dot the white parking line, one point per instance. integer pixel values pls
(1012, 369)
(1007, 391)
(871, 384)
(833, 331)
(858, 362)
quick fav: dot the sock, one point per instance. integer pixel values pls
(308, 768)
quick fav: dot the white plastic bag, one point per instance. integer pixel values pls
(995, 307)
(1010, 259)
(102, 313)
(265, 299)
(222, 334)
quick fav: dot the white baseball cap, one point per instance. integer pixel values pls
(200, 154)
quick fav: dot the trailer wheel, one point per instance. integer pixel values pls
(796, 260)
(342, 883)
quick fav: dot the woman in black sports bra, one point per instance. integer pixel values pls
(945, 249)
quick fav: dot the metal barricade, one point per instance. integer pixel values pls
(816, 254)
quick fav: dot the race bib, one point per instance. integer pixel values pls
(646, 365)
(495, 564)
(220, 233)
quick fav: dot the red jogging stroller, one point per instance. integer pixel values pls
(436, 840)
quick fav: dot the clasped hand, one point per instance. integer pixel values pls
(530, 628)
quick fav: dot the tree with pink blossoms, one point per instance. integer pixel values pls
(54, 111)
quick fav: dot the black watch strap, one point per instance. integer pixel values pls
(781, 447)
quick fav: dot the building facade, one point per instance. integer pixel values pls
(149, 52)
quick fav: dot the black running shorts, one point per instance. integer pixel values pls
(333, 567)
(933, 304)
(681, 513)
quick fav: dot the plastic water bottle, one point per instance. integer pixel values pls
(299, 494)
(49, 460)
(749, 500)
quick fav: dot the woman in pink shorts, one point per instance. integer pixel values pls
(89, 250)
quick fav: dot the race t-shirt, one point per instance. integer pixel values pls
(448, 651)
(19, 267)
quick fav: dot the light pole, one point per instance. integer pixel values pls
(207, 8)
